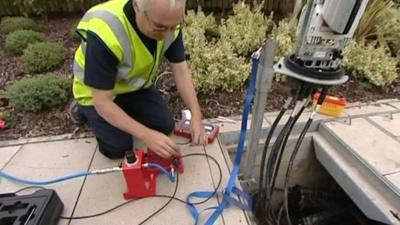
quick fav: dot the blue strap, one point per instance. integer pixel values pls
(199, 194)
(230, 188)
(244, 197)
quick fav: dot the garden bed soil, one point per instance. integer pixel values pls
(57, 121)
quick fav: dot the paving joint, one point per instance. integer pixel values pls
(375, 124)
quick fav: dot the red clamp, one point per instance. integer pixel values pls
(140, 180)
(182, 128)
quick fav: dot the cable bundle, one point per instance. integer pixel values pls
(270, 163)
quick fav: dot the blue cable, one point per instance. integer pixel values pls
(162, 169)
(72, 176)
(44, 182)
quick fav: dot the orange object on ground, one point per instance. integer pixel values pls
(332, 106)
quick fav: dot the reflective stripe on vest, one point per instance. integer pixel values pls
(118, 29)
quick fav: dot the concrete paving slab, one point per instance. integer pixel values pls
(231, 215)
(369, 143)
(50, 160)
(389, 122)
(7, 153)
(103, 192)
(395, 179)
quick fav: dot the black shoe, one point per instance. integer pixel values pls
(75, 115)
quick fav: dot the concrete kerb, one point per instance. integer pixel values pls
(22, 141)
(229, 136)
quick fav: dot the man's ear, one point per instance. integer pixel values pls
(135, 6)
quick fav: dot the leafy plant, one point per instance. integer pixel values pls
(217, 67)
(10, 24)
(40, 92)
(245, 29)
(389, 32)
(196, 25)
(285, 37)
(213, 63)
(370, 63)
(18, 40)
(377, 14)
(44, 56)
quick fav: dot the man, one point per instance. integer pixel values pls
(123, 42)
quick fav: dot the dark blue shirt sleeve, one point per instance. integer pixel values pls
(176, 51)
(101, 65)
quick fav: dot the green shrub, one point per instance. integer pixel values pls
(370, 63)
(40, 92)
(18, 40)
(196, 25)
(217, 67)
(213, 63)
(245, 29)
(285, 37)
(390, 32)
(41, 57)
(10, 24)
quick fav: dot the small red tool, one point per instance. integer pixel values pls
(2, 124)
(182, 128)
(140, 179)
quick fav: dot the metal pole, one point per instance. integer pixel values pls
(265, 76)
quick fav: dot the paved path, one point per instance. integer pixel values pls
(48, 158)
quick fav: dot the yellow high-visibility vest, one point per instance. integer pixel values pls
(137, 67)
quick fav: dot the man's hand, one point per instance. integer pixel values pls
(185, 87)
(198, 135)
(161, 144)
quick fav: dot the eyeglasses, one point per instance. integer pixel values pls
(160, 27)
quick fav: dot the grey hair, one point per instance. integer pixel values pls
(144, 4)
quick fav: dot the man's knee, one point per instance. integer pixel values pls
(167, 127)
(114, 149)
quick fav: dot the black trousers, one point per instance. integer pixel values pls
(145, 106)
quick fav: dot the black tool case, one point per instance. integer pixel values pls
(42, 207)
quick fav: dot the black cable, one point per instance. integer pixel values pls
(219, 170)
(278, 161)
(29, 187)
(260, 200)
(290, 166)
(159, 196)
(279, 147)
(270, 167)
(296, 149)
(298, 94)
(166, 204)
(176, 187)
(281, 150)
(183, 143)
(266, 145)
(271, 163)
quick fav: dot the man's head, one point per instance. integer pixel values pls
(158, 18)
